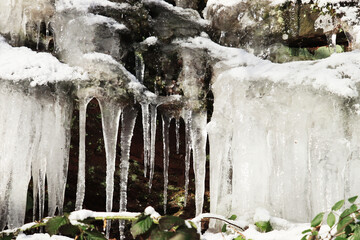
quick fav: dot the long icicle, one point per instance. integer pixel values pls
(166, 152)
(188, 141)
(177, 127)
(127, 126)
(38, 168)
(110, 114)
(146, 136)
(80, 193)
(199, 136)
(153, 117)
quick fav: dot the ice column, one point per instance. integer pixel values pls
(188, 147)
(166, 151)
(140, 67)
(153, 117)
(127, 126)
(80, 193)
(110, 113)
(192, 77)
(58, 159)
(15, 171)
(35, 128)
(198, 141)
(146, 135)
(177, 126)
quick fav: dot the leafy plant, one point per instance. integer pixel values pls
(162, 228)
(233, 217)
(345, 225)
(62, 225)
(264, 226)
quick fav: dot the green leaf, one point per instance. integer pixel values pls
(346, 213)
(161, 235)
(94, 235)
(264, 226)
(223, 229)
(331, 219)
(168, 222)
(357, 233)
(344, 222)
(193, 225)
(353, 208)
(141, 227)
(186, 233)
(69, 230)
(306, 231)
(340, 238)
(348, 230)
(317, 220)
(352, 199)
(7, 237)
(233, 217)
(304, 237)
(338, 205)
(239, 238)
(52, 226)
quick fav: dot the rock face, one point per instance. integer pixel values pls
(259, 26)
(164, 58)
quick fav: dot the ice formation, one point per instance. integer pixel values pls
(281, 135)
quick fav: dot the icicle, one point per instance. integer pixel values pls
(34, 131)
(333, 41)
(153, 116)
(39, 170)
(58, 157)
(177, 125)
(140, 67)
(80, 192)
(127, 126)
(47, 30)
(110, 115)
(166, 151)
(146, 135)
(188, 123)
(15, 155)
(38, 35)
(198, 140)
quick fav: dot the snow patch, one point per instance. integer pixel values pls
(84, 5)
(21, 63)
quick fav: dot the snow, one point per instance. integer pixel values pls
(84, 5)
(261, 214)
(272, 2)
(41, 236)
(83, 214)
(21, 63)
(92, 19)
(339, 73)
(187, 12)
(100, 57)
(150, 41)
(241, 223)
(224, 2)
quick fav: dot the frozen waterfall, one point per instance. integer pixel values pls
(284, 137)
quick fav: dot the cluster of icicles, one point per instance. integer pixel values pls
(112, 111)
(39, 127)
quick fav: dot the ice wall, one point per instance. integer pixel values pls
(35, 128)
(284, 136)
